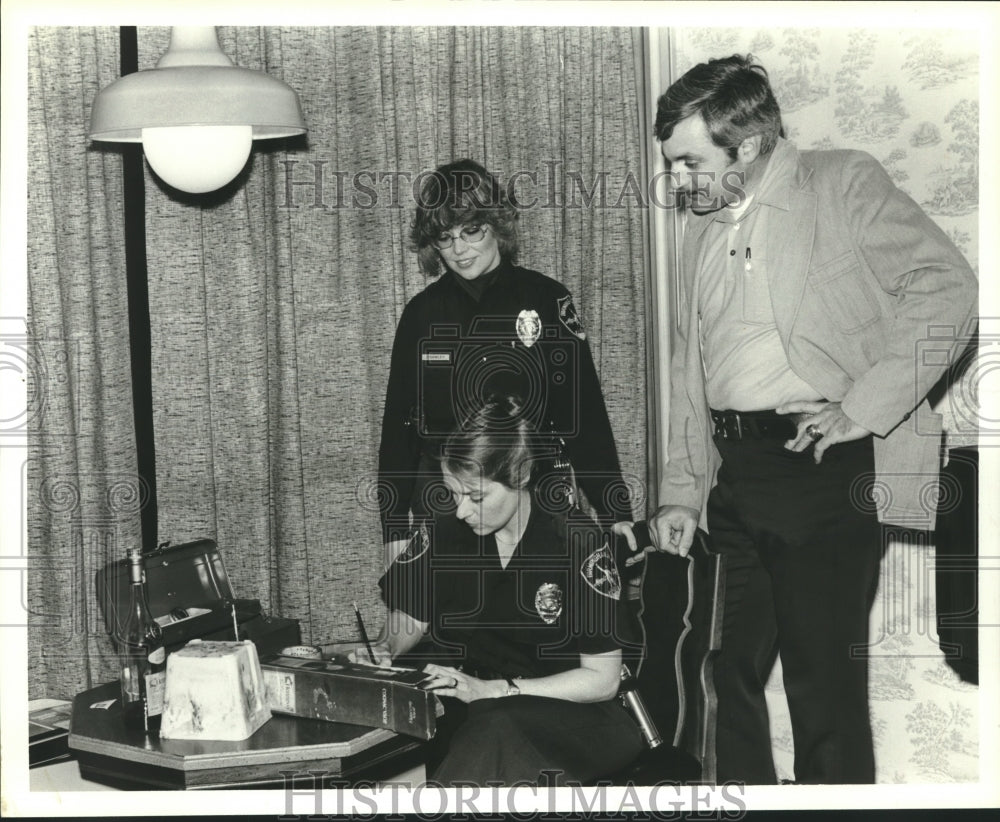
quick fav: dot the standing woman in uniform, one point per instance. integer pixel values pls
(485, 326)
(523, 609)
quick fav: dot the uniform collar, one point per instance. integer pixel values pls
(541, 536)
(477, 288)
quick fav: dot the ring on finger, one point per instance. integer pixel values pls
(813, 432)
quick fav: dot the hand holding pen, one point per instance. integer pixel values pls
(377, 655)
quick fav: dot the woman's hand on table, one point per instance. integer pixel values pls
(453, 682)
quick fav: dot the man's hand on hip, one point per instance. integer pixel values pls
(826, 424)
(672, 529)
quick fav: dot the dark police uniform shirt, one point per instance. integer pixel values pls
(559, 596)
(511, 331)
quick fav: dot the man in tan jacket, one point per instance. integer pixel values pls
(819, 305)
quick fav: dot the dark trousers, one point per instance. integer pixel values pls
(802, 547)
(533, 740)
(956, 550)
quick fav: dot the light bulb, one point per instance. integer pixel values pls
(197, 159)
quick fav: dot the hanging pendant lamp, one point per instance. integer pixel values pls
(196, 114)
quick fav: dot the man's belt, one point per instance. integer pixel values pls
(742, 425)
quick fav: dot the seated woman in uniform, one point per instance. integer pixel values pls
(522, 604)
(485, 325)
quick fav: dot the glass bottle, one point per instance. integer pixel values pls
(144, 658)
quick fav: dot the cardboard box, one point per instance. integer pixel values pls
(214, 691)
(340, 691)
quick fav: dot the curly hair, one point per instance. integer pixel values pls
(734, 98)
(459, 194)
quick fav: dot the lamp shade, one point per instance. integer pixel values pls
(195, 85)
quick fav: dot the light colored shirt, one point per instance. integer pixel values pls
(746, 368)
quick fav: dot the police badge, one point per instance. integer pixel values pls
(548, 602)
(529, 327)
(569, 318)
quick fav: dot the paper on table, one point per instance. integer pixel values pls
(169, 619)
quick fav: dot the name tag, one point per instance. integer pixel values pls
(441, 357)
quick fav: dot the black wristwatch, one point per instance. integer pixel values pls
(512, 689)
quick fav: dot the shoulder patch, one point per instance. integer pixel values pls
(419, 543)
(601, 574)
(569, 318)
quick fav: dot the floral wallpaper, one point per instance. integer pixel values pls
(909, 98)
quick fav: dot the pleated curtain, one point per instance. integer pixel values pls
(82, 488)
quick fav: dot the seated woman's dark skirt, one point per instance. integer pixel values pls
(531, 740)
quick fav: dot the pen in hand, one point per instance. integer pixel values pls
(364, 634)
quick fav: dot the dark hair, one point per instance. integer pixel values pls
(458, 194)
(496, 442)
(734, 98)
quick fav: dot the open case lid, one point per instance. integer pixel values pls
(190, 575)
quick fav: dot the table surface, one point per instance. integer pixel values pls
(108, 751)
(64, 776)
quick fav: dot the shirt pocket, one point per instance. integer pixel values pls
(847, 299)
(756, 294)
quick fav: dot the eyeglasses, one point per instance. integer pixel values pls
(472, 234)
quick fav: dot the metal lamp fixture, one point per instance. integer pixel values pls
(196, 114)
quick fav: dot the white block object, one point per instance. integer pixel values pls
(214, 690)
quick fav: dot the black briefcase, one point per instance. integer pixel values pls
(191, 597)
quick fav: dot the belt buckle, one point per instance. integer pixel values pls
(729, 426)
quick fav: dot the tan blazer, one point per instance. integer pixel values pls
(871, 301)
